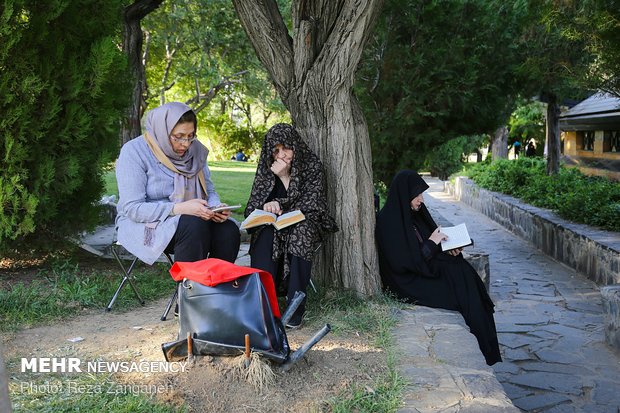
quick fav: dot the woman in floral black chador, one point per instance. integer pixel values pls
(289, 177)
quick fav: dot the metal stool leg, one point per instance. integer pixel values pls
(312, 285)
(172, 300)
(126, 279)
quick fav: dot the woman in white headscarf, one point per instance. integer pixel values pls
(166, 195)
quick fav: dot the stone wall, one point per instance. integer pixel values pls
(591, 252)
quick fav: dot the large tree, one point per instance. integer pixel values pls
(313, 71)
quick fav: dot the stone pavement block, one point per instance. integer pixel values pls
(516, 392)
(550, 367)
(567, 408)
(607, 393)
(526, 320)
(562, 330)
(542, 298)
(518, 354)
(514, 340)
(506, 368)
(534, 403)
(509, 327)
(553, 356)
(558, 382)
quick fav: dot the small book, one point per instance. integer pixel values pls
(225, 208)
(458, 237)
(259, 217)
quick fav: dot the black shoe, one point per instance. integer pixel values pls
(295, 321)
(293, 324)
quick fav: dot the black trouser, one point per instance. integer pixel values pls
(196, 239)
(300, 269)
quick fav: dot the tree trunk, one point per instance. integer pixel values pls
(500, 143)
(552, 138)
(132, 46)
(5, 401)
(314, 73)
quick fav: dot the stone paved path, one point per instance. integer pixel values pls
(549, 319)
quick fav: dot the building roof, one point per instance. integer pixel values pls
(600, 111)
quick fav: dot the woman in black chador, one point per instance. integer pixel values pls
(415, 269)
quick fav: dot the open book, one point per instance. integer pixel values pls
(259, 217)
(458, 237)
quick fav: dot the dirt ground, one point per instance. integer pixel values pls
(209, 384)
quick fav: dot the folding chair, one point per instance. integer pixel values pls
(128, 279)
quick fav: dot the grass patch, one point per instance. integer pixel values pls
(233, 182)
(65, 290)
(84, 393)
(109, 179)
(384, 395)
(375, 318)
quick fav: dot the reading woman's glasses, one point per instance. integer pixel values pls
(181, 139)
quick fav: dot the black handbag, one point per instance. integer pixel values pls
(217, 319)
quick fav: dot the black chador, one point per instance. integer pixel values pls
(415, 270)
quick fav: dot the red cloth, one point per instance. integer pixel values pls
(213, 271)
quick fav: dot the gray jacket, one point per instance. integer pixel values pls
(144, 185)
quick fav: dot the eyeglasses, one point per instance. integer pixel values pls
(181, 139)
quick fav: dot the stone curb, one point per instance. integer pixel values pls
(445, 369)
(592, 252)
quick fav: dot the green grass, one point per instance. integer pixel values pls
(111, 187)
(69, 393)
(232, 180)
(374, 318)
(64, 290)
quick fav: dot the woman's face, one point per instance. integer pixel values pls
(417, 202)
(285, 154)
(182, 137)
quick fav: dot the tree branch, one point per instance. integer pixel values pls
(203, 100)
(140, 9)
(263, 23)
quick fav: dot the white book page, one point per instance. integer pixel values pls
(457, 237)
(258, 217)
(289, 214)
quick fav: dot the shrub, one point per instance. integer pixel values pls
(572, 195)
(62, 90)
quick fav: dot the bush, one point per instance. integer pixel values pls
(448, 158)
(62, 90)
(572, 195)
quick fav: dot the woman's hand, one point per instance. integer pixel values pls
(454, 252)
(273, 207)
(437, 236)
(196, 207)
(281, 168)
(221, 216)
